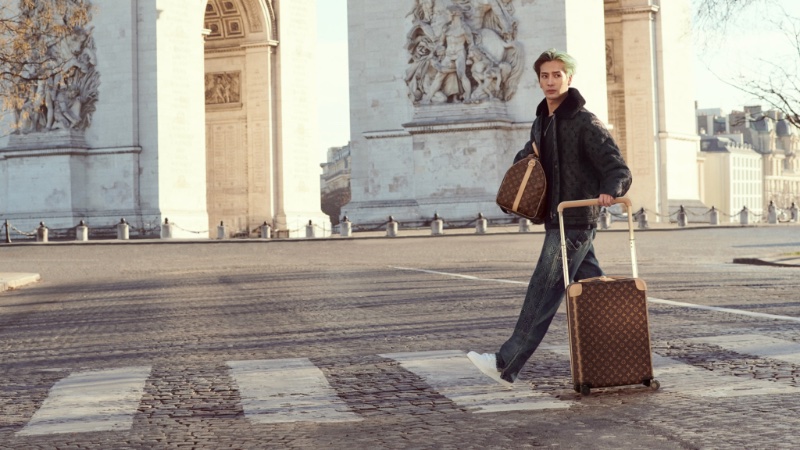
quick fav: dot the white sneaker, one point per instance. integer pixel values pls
(487, 363)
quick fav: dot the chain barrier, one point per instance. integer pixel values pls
(184, 229)
(66, 233)
(31, 234)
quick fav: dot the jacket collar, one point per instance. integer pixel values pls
(567, 109)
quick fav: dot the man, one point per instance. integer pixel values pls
(580, 161)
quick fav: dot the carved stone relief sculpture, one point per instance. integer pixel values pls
(222, 88)
(463, 51)
(65, 94)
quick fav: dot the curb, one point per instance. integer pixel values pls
(9, 281)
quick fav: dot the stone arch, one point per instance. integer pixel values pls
(239, 93)
(258, 15)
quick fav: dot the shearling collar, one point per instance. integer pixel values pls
(567, 109)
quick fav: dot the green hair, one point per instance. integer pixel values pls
(555, 55)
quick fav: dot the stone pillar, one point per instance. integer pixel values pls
(744, 216)
(437, 225)
(123, 230)
(345, 227)
(310, 229)
(221, 232)
(641, 217)
(713, 216)
(772, 213)
(82, 232)
(266, 231)
(651, 107)
(524, 225)
(481, 224)
(166, 229)
(391, 227)
(683, 219)
(41, 233)
(793, 212)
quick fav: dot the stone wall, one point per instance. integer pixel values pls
(416, 155)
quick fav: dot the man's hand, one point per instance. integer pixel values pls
(605, 200)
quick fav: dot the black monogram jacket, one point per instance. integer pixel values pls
(587, 162)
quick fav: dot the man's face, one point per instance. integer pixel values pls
(553, 80)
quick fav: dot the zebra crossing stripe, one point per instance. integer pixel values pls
(98, 400)
(287, 390)
(452, 374)
(756, 345)
(681, 378)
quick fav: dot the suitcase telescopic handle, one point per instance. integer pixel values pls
(593, 202)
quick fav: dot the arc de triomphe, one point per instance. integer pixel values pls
(199, 113)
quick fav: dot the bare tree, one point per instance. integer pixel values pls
(32, 32)
(775, 82)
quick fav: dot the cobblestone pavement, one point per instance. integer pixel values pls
(357, 344)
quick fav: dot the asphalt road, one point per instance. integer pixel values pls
(360, 343)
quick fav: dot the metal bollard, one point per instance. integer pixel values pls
(792, 212)
(8, 233)
(744, 216)
(41, 233)
(266, 231)
(714, 216)
(524, 225)
(437, 225)
(682, 218)
(166, 229)
(391, 227)
(605, 219)
(481, 224)
(221, 234)
(310, 230)
(772, 213)
(123, 230)
(345, 227)
(82, 232)
(641, 217)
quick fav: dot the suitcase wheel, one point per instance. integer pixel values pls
(585, 389)
(577, 387)
(652, 384)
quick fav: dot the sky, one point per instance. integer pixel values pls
(743, 49)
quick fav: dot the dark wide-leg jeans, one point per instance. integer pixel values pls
(545, 293)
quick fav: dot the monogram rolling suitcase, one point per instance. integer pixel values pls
(607, 323)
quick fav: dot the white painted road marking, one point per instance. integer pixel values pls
(756, 345)
(681, 378)
(287, 390)
(100, 400)
(649, 299)
(452, 374)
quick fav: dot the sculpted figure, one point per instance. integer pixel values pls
(65, 93)
(455, 40)
(484, 73)
(496, 15)
(466, 52)
(420, 71)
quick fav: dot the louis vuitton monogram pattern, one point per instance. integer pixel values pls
(532, 204)
(609, 334)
